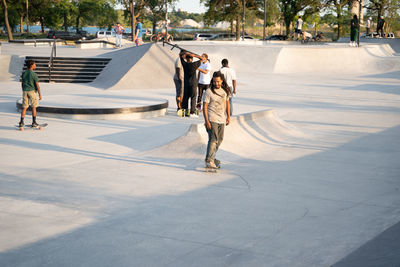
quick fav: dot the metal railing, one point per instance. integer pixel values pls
(52, 57)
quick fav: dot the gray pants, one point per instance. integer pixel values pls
(215, 137)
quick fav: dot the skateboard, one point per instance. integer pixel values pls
(29, 127)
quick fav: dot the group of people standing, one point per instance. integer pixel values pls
(355, 23)
(137, 37)
(193, 78)
(211, 93)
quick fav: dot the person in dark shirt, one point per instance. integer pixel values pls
(30, 89)
(380, 28)
(354, 30)
(190, 80)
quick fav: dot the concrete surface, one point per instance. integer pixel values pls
(310, 174)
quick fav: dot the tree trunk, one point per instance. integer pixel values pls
(133, 22)
(65, 22)
(154, 24)
(238, 20)
(42, 24)
(232, 26)
(339, 26)
(9, 33)
(21, 23)
(77, 23)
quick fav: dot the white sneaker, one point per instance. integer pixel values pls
(211, 165)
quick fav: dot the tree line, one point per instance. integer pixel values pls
(335, 13)
(62, 14)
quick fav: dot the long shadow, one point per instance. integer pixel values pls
(309, 211)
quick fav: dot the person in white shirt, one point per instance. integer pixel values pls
(230, 77)
(204, 78)
(119, 30)
(368, 26)
(298, 27)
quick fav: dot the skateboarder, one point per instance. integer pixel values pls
(190, 81)
(178, 80)
(230, 78)
(30, 85)
(204, 78)
(216, 115)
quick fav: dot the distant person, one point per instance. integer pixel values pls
(119, 30)
(354, 24)
(298, 27)
(306, 36)
(178, 80)
(138, 32)
(30, 86)
(230, 78)
(190, 81)
(368, 26)
(380, 28)
(204, 78)
(216, 115)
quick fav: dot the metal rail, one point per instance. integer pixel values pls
(52, 57)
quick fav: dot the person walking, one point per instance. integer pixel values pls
(178, 80)
(190, 81)
(138, 32)
(204, 78)
(119, 30)
(353, 30)
(230, 78)
(380, 28)
(30, 89)
(298, 27)
(216, 116)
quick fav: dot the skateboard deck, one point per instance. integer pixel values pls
(29, 127)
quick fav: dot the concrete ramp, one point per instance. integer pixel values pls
(149, 66)
(10, 68)
(248, 135)
(337, 60)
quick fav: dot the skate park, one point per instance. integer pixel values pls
(310, 173)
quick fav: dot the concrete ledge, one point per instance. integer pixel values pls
(36, 42)
(93, 44)
(102, 113)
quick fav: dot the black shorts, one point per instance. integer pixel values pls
(298, 31)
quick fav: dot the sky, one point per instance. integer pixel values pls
(192, 6)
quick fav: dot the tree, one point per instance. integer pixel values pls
(5, 9)
(134, 8)
(290, 9)
(94, 12)
(338, 7)
(157, 10)
(228, 10)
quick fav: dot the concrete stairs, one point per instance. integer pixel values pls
(69, 69)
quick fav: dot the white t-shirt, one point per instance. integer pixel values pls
(229, 74)
(205, 78)
(299, 24)
(216, 105)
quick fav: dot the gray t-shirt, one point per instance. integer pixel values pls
(216, 105)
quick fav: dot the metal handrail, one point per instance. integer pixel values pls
(52, 56)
